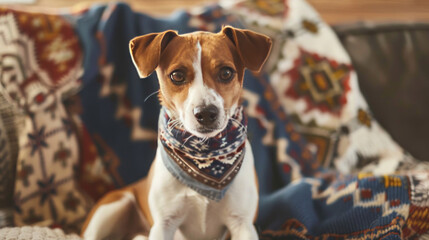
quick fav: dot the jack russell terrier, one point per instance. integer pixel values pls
(202, 181)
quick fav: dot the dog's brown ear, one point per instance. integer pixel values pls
(252, 47)
(146, 50)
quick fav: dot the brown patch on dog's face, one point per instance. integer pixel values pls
(217, 51)
(204, 60)
(179, 54)
(201, 74)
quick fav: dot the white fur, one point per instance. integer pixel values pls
(175, 206)
(200, 94)
(179, 212)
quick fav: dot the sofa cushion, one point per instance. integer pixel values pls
(315, 80)
(41, 62)
(10, 123)
(391, 61)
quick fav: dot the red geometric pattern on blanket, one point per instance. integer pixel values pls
(94, 183)
(417, 222)
(321, 82)
(294, 229)
(418, 216)
(56, 47)
(97, 173)
(40, 60)
(310, 164)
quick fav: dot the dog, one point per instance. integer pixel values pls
(202, 183)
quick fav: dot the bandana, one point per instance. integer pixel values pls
(207, 166)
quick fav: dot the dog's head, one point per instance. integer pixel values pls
(200, 74)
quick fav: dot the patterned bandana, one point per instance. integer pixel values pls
(207, 166)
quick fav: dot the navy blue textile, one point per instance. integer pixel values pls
(322, 204)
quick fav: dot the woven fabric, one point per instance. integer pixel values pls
(10, 123)
(40, 65)
(308, 124)
(317, 85)
(35, 233)
(206, 165)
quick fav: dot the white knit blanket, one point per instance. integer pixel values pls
(35, 233)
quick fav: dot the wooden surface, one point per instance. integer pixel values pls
(333, 11)
(338, 11)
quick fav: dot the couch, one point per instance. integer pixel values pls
(390, 60)
(320, 157)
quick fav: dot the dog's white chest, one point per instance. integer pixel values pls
(201, 221)
(196, 216)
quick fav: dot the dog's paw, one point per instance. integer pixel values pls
(140, 237)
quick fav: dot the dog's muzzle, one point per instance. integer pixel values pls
(207, 116)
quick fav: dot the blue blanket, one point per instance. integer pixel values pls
(301, 197)
(322, 204)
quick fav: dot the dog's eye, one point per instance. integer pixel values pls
(177, 77)
(226, 74)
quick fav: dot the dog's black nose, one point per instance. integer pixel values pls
(206, 115)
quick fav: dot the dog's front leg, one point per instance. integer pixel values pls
(242, 201)
(163, 230)
(167, 216)
(167, 205)
(242, 229)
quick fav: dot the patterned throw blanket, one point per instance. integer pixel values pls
(326, 168)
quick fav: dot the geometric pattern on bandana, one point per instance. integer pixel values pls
(212, 162)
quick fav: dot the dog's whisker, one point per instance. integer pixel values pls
(150, 95)
(186, 140)
(171, 121)
(173, 125)
(238, 122)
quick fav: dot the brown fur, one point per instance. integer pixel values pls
(217, 52)
(167, 51)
